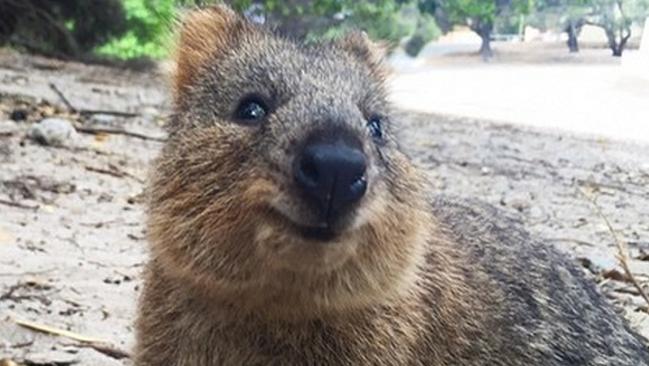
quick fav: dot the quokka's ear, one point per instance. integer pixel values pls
(359, 45)
(203, 34)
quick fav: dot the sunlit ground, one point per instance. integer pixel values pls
(536, 84)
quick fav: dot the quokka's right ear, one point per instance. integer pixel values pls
(203, 34)
(359, 45)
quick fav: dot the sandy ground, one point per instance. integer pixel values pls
(587, 93)
(72, 240)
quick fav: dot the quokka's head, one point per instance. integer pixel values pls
(281, 185)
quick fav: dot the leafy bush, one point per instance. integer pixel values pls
(148, 23)
(427, 30)
(127, 29)
(60, 27)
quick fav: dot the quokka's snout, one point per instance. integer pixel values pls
(329, 172)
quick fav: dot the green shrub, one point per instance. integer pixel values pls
(427, 30)
(148, 23)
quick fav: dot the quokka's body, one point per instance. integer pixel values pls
(286, 228)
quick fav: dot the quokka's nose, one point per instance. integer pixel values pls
(332, 174)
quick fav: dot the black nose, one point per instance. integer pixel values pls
(332, 174)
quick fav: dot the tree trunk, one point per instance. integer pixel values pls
(485, 49)
(617, 46)
(573, 44)
(484, 29)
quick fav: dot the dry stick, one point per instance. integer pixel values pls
(18, 204)
(622, 253)
(73, 109)
(116, 131)
(107, 349)
(112, 113)
(85, 341)
(55, 331)
(113, 171)
(98, 130)
(63, 98)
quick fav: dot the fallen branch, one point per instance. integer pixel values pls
(85, 341)
(18, 204)
(115, 131)
(622, 252)
(85, 112)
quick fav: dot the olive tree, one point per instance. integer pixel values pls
(615, 18)
(478, 15)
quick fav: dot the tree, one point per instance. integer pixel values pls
(573, 28)
(566, 15)
(616, 17)
(64, 28)
(381, 19)
(479, 15)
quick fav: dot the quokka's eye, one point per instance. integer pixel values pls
(376, 130)
(251, 110)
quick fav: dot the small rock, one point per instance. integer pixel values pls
(53, 132)
(8, 127)
(150, 111)
(519, 205)
(19, 114)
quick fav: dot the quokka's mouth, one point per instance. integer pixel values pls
(321, 232)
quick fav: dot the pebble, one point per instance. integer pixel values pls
(53, 132)
(8, 127)
(19, 115)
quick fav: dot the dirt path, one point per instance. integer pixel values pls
(71, 233)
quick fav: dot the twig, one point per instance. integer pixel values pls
(107, 349)
(570, 240)
(55, 331)
(112, 113)
(17, 204)
(98, 130)
(23, 274)
(622, 253)
(85, 341)
(85, 112)
(113, 171)
(22, 344)
(63, 98)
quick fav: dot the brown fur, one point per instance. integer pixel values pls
(410, 281)
(202, 33)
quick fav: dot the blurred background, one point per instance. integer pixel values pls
(427, 40)
(540, 107)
